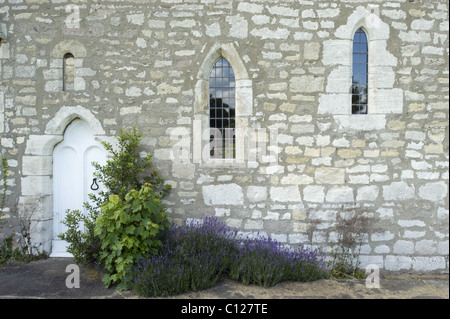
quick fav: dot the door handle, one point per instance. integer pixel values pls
(94, 185)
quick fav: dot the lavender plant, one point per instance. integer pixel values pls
(193, 257)
(197, 255)
(265, 262)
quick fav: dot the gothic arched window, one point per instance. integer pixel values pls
(222, 110)
(360, 77)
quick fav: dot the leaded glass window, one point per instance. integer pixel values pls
(222, 107)
(360, 73)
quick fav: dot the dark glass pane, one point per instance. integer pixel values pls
(355, 109)
(360, 73)
(363, 98)
(222, 104)
(363, 109)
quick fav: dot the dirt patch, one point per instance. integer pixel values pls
(392, 287)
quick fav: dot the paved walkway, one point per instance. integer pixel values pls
(46, 279)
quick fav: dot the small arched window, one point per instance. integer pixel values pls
(360, 77)
(222, 110)
(68, 72)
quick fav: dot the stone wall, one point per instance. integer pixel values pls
(147, 63)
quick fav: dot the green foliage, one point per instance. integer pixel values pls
(124, 171)
(8, 252)
(84, 245)
(352, 231)
(129, 230)
(345, 264)
(5, 183)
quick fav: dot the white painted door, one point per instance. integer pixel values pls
(73, 177)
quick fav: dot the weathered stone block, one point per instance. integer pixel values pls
(398, 191)
(285, 194)
(397, 263)
(256, 193)
(336, 52)
(225, 194)
(250, 7)
(369, 122)
(311, 51)
(429, 263)
(254, 224)
(183, 170)
(338, 81)
(37, 185)
(239, 26)
(434, 191)
(426, 247)
(340, 195)
(315, 194)
(330, 175)
(403, 247)
(37, 165)
(367, 193)
(213, 30)
(266, 33)
(306, 84)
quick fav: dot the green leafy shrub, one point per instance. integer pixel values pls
(6, 250)
(125, 170)
(84, 244)
(129, 229)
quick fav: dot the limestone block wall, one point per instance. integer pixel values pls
(303, 161)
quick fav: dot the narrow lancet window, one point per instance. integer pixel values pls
(68, 72)
(360, 73)
(222, 106)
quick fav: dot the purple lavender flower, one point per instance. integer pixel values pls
(196, 255)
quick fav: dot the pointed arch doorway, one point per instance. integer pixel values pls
(73, 177)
